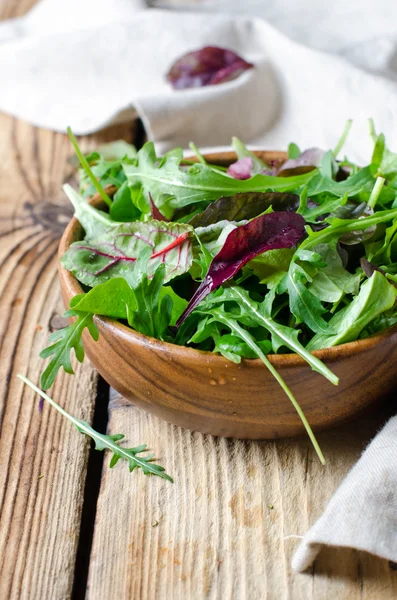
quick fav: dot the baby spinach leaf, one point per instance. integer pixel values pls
(61, 344)
(272, 266)
(376, 296)
(114, 298)
(267, 232)
(115, 253)
(174, 186)
(123, 208)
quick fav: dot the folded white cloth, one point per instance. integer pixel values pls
(88, 64)
(362, 513)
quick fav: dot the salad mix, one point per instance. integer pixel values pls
(244, 260)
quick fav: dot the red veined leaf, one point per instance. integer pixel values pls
(267, 232)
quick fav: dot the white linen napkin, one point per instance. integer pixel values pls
(362, 513)
(91, 63)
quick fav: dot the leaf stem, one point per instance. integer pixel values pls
(343, 138)
(197, 152)
(251, 343)
(270, 325)
(379, 183)
(87, 169)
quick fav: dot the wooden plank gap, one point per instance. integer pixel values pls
(91, 493)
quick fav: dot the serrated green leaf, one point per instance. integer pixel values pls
(65, 340)
(108, 442)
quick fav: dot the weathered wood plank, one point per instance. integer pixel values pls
(222, 530)
(42, 457)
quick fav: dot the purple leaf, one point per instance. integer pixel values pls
(245, 205)
(156, 214)
(208, 66)
(241, 169)
(311, 157)
(369, 269)
(267, 232)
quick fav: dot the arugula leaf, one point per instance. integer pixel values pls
(87, 169)
(61, 344)
(115, 253)
(304, 305)
(108, 442)
(261, 313)
(351, 186)
(94, 222)
(153, 315)
(376, 296)
(173, 186)
(332, 281)
(234, 348)
(220, 315)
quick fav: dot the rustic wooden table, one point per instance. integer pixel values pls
(227, 527)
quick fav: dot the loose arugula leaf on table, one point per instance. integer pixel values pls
(173, 186)
(376, 296)
(267, 232)
(108, 442)
(61, 344)
(115, 253)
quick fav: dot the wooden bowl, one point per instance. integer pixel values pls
(205, 392)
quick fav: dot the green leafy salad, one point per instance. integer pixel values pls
(243, 260)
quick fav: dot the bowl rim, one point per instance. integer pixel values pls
(334, 353)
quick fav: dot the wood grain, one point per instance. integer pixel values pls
(42, 458)
(223, 529)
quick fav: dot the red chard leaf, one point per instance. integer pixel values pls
(210, 65)
(267, 232)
